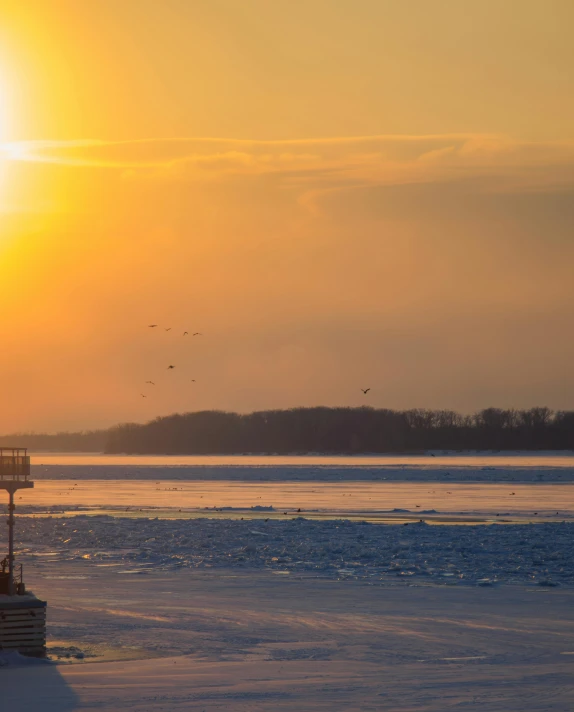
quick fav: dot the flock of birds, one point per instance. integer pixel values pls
(198, 333)
(171, 366)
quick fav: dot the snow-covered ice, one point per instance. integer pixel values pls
(456, 469)
(252, 641)
(208, 594)
(540, 554)
(341, 496)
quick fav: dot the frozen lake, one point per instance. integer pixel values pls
(435, 460)
(481, 468)
(484, 485)
(222, 498)
(296, 614)
(257, 642)
(218, 583)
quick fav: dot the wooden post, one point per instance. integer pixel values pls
(11, 589)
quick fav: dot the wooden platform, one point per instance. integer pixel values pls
(12, 485)
(23, 624)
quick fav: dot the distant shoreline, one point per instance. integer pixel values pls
(356, 455)
(322, 431)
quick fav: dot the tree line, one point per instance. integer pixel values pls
(345, 431)
(319, 430)
(84, 441)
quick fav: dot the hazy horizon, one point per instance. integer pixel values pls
(338, 195)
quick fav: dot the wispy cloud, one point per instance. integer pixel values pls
(324, 163)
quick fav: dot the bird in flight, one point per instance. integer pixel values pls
(198, 333)
(193, 380)
(152, 326)
(365, 390)
(170, 367)
(142, 395)
(169, 329)
(185, 333)
(151, 383)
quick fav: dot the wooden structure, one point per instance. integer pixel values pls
(23, 625)
(14, 475)
(22, 615)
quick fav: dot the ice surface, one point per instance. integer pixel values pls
(280, 612)
(14, 659)
(411, 469)
(247, 641)
(343, 496)
(533, 553)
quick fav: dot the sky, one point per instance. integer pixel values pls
(338, 194)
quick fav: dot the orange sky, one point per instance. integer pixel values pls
(338, 194)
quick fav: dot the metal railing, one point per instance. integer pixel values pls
(14, 464)
(18, 578)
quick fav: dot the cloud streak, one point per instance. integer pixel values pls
(319, 166)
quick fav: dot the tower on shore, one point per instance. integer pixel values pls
(22, 615)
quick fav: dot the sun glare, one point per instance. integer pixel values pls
(3, 113)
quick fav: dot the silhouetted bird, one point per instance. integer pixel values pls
(152, 326)
(169, 329)
(198, 333)
(193, 380)
(185, 333)
(365, 390)
(142, 395)
(170, 367)
(151, 383)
